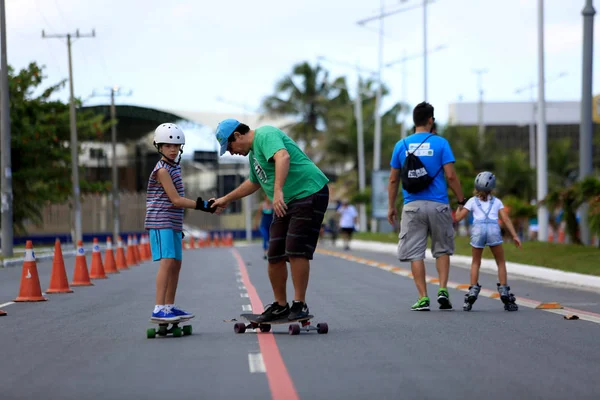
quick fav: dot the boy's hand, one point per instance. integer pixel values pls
(205, 205)
(517, 241)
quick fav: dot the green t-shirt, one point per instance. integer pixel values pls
(304, 177)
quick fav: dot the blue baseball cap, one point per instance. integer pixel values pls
(224, 130)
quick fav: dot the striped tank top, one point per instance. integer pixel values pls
(160, 212)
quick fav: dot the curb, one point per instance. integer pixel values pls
(523, 270)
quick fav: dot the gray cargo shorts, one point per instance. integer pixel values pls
(420, 219)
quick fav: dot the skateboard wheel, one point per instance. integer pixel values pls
(294, 329)
(240, 327)
(265, 328)
(187, 330)
(150, 333)
(322, 328)
(177, 332)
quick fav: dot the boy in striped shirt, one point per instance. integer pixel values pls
(165, 202)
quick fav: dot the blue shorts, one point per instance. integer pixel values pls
(165, 243)
(483, 234)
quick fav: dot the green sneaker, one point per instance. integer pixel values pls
(444, 299)
(421, 305)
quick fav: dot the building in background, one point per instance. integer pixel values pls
(514, 124)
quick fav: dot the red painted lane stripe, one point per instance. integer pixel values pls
(280, 382)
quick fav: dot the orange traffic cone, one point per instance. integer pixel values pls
(130, 254)
(97, 269)
(142, 248)
(148, 249)
(81, 276)
(58, 279)
(109, 258)
(121, 261)
(30, 289)
(136, 250)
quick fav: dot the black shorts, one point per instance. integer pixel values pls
(348, 231)
(296, 233)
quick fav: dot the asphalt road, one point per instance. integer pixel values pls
(91, 344)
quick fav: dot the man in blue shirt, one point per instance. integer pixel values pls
(427, 211)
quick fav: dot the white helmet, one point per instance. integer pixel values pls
(168, 133)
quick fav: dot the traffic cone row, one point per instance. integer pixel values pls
(30, 288)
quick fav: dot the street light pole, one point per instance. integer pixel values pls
(362, 213)
(532, 140)
(542, 145)
(425, 50)
(586, 128)
(5, 144)
(377, 139)
(481, 128)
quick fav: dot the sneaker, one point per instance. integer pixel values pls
(165, 315)
(298, 311)
(182, 314)
(274, 312)
(444, 300)
(421, 305)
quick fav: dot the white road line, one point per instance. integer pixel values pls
(7, 304)
(242, 287)
(245, 295)
(246, 307)
(256, 363)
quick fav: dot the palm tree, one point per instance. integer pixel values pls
(304, 94)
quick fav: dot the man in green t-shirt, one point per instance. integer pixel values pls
(300, 196)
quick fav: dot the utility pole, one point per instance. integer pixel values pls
(114, 91)
(74, 144)
(481, 129)
(5, 143)
(542, 139)
(586, 129)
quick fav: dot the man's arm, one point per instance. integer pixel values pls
(453, 181)
(393, 184)
(282, 167)
(245, 189)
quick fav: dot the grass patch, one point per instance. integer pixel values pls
(565, 257)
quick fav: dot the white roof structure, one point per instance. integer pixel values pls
(514, 114)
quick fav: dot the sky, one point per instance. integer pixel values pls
(226, 56)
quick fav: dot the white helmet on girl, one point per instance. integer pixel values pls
(485, 181)
(168, 133)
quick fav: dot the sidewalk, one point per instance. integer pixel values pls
(527, 271)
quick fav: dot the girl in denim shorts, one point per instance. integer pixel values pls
(485, 231)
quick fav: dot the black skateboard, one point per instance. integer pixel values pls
(164, 330)
(293, 329)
